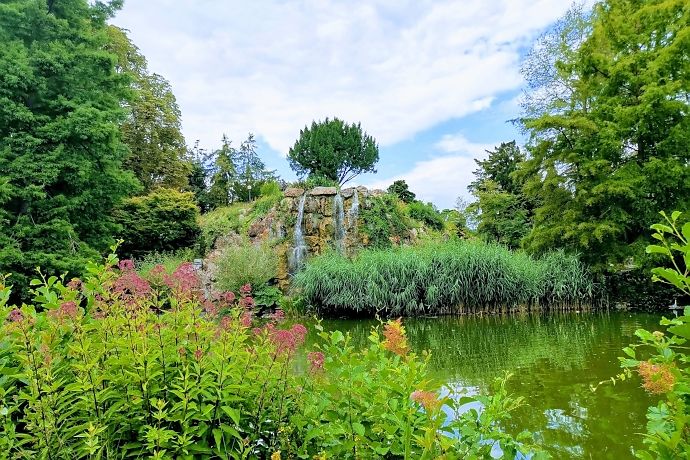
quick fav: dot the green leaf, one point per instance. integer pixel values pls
(358, 428)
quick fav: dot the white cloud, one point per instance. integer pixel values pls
(399, 67)
(442, 179)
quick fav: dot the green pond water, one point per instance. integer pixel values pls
(554, 358)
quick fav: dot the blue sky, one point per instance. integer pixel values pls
(435, 82)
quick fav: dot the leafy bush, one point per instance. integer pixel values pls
(168, 260)
(238, 265)
(270, 188)
(96, 369)
(662, 364)
(221, 222)
(443, 278)
(383, 220)
(163, 220)
(426, 214)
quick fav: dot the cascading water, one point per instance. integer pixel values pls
(339, 218)
(353, 213)
(299, 249)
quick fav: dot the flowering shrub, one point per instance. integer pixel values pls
(664, 370)
(117, 366)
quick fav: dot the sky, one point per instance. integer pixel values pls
(436, 83)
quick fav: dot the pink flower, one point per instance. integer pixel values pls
(228, 297)
(126, 265)
(316, 360)
(246, 290)
(68, 310)
(278, 315)
(74, 284)
(287, 340)
(427, 399)
(184, 279)
(247, 302)
(198, 354)
(246, 319)
(210, 308)
(16, 316)
(132, 285)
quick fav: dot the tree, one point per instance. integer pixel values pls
(402, 190)
(152, 129)
(503, 211)
(251, 171)
(335, 150)
(601, 165)
(60, 149)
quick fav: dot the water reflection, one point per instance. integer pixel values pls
(554, 358)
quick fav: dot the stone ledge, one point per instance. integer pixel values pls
(293, 192)
(323, 191)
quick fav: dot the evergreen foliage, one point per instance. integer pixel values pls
(402, 190)
(61, 153)
(335, 150)
(162, 221)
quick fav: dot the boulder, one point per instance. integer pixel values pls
(293, 192)
(347, 192)
(319, 191)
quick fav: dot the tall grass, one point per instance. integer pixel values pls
(443, 278)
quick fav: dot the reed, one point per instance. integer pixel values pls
(453, 277)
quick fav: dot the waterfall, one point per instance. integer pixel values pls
(299, 249)
(339, 218)
(353, 213)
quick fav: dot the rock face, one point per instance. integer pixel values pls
(321, 221)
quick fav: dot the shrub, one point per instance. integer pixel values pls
(426, 214)
(270, 188)
(168, 260)
(238, 265)
(382, 220)
(662, 363)
(96, 369)
(163, 220)
(443, 278)
(219, 223)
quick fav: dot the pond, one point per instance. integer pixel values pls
(554, 359)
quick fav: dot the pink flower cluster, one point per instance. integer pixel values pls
(130, 284)
(183, 279)
(316, 360)
(67, 310)
(285, 340)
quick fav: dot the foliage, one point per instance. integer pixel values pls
(168, 260)
(221, 222)
(116, 367)
(383, 221)
(152, 129)
(504, 212)
(425, 213)
(228, 174)
(163, 220)
(665, 372)
(270, 188)
(335, 150)
(60, 150)
(247, 263)
(443, 278)
(613, 146)
(402, 190)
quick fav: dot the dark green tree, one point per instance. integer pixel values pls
(251, 171)
(61, 152)
(402, 190)
(604, 163)
(152, 129)
(502, 209)
(335, 150)
(163, 220)
(222, 174)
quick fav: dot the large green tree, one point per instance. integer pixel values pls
(503, 210)
(152, 129)
(335, 150)
(617, 151)
(61, 154)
